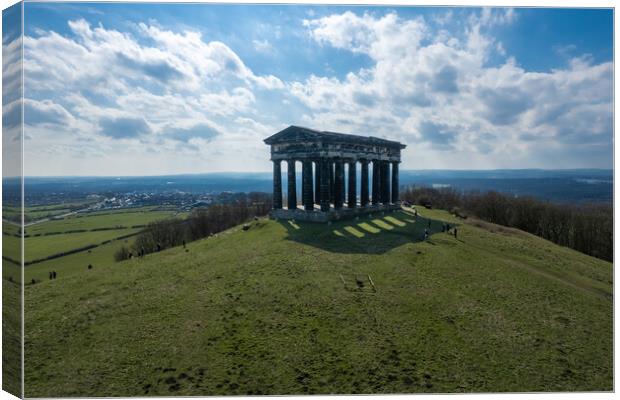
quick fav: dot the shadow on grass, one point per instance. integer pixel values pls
(371, 234)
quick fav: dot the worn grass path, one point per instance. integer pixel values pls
(264, 311)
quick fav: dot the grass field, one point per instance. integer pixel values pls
(42, 246)
(95, 221)
(11, 315)
(10, 213)
(11, 247)
(11, 229)
(99, 257)
(11, 330)
(38, 247)
(33, 213)
(265, 311)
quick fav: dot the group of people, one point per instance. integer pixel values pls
(142, 251)
(158, 248)
(445, 227)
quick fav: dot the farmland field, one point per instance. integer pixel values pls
(11, 247)
(101, 257)
(55, 236)
(10, 228)
(97, 221)
(42, 246)
(33, 213)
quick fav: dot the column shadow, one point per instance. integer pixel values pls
(372, 234)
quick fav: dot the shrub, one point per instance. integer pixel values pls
(202, 222)
(122, 254)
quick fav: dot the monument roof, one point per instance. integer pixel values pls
(299, 133)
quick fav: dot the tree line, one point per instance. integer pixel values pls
(587, 228)
(202, 222)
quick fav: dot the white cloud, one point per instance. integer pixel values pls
(496, 16)
(122, 94)
(175, 101)
(11, 107)
(262, 46)
(438, 93)
(205, 60)
(369, 35)
(46, 112)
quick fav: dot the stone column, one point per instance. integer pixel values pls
(352, 200)
(343, 193)
(306, 185)
(331, 181)
(338, 183)
(317, 182)
(324, 171)
(292, 186)
(277, 185)
(376, 181)
(364, 188)
(385, 182)
(395, 193)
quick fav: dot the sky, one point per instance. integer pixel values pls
(150, 89)
(11, 93)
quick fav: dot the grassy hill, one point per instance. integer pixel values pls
(278, 309)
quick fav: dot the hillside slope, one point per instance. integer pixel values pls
(265, 311)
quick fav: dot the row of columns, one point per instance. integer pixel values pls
(328, 187)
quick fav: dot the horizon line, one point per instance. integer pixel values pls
(265, 172)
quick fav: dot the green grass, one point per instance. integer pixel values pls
(94, 221)
(38, 247)
(11, 330)
(11, 247)
(29, 216)
(43, 246)
(11, 229)
(33, 213)
(264, 311)
(99, 257)
(11, 213)
(36, 215)
(167, 208)
(11, 317)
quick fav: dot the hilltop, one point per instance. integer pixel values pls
(278, 309)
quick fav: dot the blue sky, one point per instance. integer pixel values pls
(132, 89)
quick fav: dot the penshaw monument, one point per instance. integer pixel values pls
(327, 192)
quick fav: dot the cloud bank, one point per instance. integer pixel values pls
(150, 100)
(437, 92)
